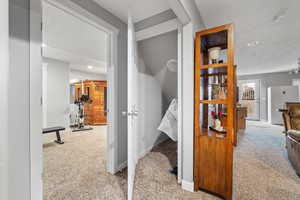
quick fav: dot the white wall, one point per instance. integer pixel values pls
(277, 97)
(76, 75)
(296, 82)
(157, 87)
(188, 34)
(150, 112)
(4, 73)
(155, 53)
(58, 93)
(19, 104)
(44, 93)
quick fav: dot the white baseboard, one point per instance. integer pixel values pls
(122, 166)
(188, 186)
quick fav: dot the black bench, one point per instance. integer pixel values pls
(55, 129)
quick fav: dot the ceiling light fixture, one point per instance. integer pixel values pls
(253, 44)
(277, 18)
(90, 67)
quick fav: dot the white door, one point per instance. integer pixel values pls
(132, 112)
(249, 96)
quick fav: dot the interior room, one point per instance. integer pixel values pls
(264, 75)
(143, 100)
(267, 74)
(75, 121)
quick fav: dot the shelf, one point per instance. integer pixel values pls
(215, 74)
(217, 101)
(211, 133)
(213, 66)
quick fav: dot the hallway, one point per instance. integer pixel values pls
(261, 169)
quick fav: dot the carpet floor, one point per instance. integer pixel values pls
(76, 170)
(261, 170)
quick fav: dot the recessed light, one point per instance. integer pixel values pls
(43, 45)
(90, 67)
(253, 44)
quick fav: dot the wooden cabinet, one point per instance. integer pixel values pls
(241, 115)
(96, 112)
(214, 109)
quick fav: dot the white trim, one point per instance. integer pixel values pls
(4, 75)
(112, 90)
(82, 14)
(75, 10)
(180, 11)
(35, 101)
(187, 103)
(179, 89)
(188, 186)
(158, 29)
(112, 117)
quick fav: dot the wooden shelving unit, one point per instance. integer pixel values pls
(215, 101)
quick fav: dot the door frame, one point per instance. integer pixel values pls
(36, 156)
(257, 81)
(4, 83)
(159, 29)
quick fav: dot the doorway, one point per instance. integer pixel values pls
(109, 162)
(157, 69)
(249, 96)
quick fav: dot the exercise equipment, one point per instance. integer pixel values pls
(79, 121)
(56, 129)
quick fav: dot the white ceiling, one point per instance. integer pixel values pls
(139, 9)
(279, 46)
(68, 38)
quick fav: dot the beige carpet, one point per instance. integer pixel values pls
(76, 169)
(261, 170)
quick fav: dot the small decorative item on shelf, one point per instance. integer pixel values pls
(219, 88)
(222, 93)
(216, 124)
(215, 91)
(214, 54)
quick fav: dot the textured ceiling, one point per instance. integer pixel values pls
(279, 42)
(139, 9)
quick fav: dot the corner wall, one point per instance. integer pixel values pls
(196, 24)
(57, 100)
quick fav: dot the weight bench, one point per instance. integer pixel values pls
(55, 129)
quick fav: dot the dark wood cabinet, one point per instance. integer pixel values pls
(95, 112)
(215, 110)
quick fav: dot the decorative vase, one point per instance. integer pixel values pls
(214, 54)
